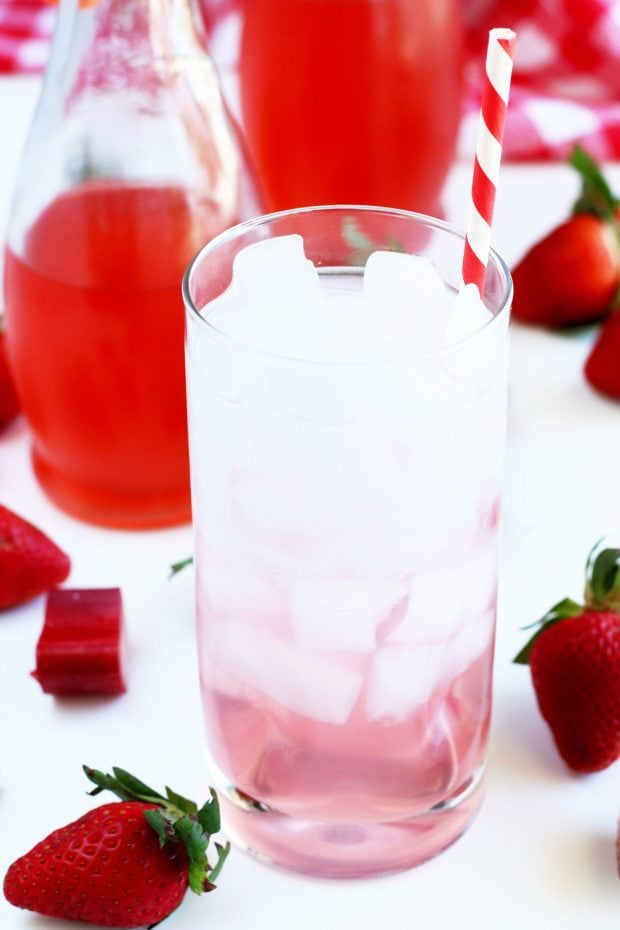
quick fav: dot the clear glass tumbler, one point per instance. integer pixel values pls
(346, 518)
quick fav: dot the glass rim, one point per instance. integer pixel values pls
(234, 232)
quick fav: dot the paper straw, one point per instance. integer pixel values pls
(498, 72)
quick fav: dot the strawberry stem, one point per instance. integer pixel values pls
(222, 853)
(603, 578)
(596, 195)
(560, 611)
(179, 566)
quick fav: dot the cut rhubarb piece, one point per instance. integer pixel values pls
(81, 647)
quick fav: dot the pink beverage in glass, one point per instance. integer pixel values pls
(346, 422)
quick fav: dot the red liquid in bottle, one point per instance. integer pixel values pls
(351, 101)
(95, 330)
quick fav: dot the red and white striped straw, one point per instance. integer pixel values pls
(500, 53)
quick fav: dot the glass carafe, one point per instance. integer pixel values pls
(131, 165)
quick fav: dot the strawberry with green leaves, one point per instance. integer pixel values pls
(574, 659)
(572, 275)
(124, 864)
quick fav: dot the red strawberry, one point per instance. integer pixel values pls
(572, 275)
(9, 405)
(603, 365)
(125, 864)
(574, 660)
(30, 562)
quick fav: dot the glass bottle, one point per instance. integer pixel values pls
(131, 165)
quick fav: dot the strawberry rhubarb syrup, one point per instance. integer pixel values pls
(95, 329)
(365, 111)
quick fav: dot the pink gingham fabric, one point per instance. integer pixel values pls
(566, 79)
(26, 28)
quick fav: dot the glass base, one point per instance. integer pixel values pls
(110, 509)
(343, 850)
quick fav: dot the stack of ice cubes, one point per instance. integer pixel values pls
(278, 304)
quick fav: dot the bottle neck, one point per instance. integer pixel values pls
(177, 28)
(113, 35)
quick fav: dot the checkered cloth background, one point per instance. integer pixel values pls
(566, 82)
(26, 27)
(566, 79)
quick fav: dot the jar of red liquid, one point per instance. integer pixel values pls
(131, 165)
(351, 101)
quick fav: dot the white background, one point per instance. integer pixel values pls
(541, 852)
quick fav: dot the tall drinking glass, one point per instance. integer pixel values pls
(346, 515)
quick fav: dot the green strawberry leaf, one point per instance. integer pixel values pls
(135, 787)
(105, 782)
(354, 237)
(161, 824)
(603, 578)
(596, 195)
(395, 245)
(196, 841)
(209, 815)
(124, 785)
(222, 853)
(100, 779)
(179, 566)
(175, 818)
(181, 803)
(361, 245)
(560, 611)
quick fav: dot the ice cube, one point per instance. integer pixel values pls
(403, 678)
(236, 593)
(307, 484)
(305, 682)
(276, 270)
(449, 596)
(215, 366)
(407, 301)
(291, 328)
(273, 300)
(309, 393)
(475, 364)
(466, 315)
(280, 506)
(471, 642)
(341, 615)
(278, 304)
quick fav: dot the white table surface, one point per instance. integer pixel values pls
(540, 855)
